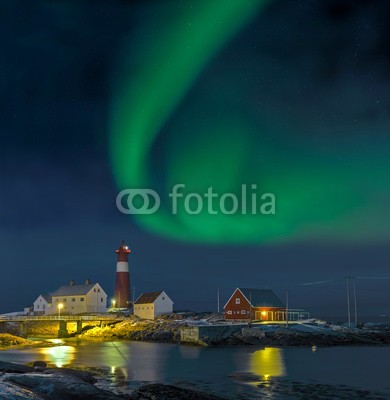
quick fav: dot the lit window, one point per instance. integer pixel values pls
(242, 311)
(229, 312)
(237, 300)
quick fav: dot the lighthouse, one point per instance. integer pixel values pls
(122, 297)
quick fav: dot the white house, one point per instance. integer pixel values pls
(77, 299)
(42, 304)
(152, 304)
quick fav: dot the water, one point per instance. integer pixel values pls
(217, 369)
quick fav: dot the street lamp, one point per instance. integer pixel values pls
(59, 309)
(113, 303)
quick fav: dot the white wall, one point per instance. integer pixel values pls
(145, 311)
(163, 305)
(94, 301)
(40, 305)
(72, 304)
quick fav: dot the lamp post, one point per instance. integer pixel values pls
(59, 310)
(113, 302)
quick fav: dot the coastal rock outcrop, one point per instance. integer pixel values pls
(20, 382)
(167, 392)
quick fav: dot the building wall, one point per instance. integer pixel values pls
(267, 314)
(96, 300)
(145, 311)
(238, 307)
(72, 305)
(40, 305)
(92, 302)
(163, 305)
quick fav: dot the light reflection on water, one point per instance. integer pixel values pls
(60, 356)
(267, 363)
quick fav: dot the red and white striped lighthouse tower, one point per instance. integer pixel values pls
(122, 295)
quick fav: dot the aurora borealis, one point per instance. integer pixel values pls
(292, 96)
(205, 123)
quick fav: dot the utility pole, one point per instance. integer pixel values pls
(348, 302)
(354, 297)
(287, 305)
(218, 299)
(250, 306)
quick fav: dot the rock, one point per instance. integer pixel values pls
(14, 368)
(60, 387)
(8, 391)
(40, 364)
(83, 376)
(167, 392)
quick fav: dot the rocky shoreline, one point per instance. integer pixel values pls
(210, 330)
(38, 382)
(207, 332)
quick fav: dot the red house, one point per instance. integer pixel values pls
(255, 304)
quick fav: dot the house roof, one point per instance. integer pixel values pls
(262, 297)
(47, 297)
(73, 290)
(147, 298)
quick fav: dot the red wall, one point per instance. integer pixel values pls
(237, 308)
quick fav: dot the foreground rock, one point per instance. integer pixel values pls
(20, 382)
(60, 386)
(168, 392)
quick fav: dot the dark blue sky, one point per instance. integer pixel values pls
(58, 219)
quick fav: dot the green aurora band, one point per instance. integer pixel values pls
(317, 196)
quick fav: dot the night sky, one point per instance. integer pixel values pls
(293, 96)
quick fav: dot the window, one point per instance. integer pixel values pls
(242, 311)
(163, 298)
(37, 306)
(81, 298)
(238, 300)
(229, 312)
(94, 290)
(57, 300)
(99, 290)
(64, 300)
(73, 299)
(101, 300)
